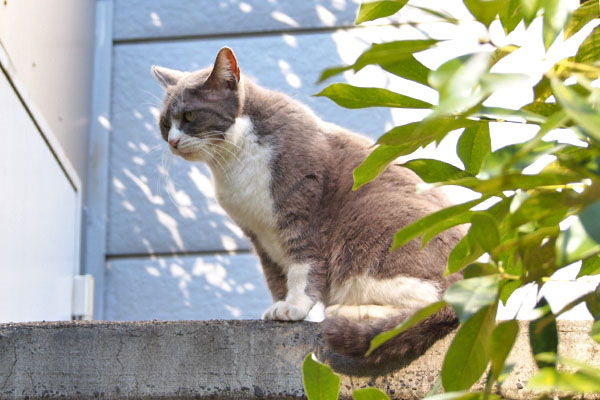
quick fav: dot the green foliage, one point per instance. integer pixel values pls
(469, 353)
(539, 222)
(320, 382)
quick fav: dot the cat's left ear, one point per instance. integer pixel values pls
(226, 72)
(167, 77)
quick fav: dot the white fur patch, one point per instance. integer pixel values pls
(369, 311)
(297, 303)
(243, 187)
(402, 292)
(175, 133)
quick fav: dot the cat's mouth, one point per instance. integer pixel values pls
(181, 153)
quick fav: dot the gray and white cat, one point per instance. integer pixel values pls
(285, 177)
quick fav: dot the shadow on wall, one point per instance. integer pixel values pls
(162, 208)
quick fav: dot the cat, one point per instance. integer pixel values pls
(285, 177)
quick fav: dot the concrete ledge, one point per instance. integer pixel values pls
(216, 359)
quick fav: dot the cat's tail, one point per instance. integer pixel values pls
(353, 338)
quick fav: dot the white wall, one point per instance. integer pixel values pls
(45, 96)
(50, 45)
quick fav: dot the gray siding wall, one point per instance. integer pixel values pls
(172, 252)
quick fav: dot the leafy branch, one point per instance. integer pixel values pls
(540, 222)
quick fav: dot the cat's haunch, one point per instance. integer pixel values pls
(285, 177)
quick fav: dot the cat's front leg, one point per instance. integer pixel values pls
(297, 303)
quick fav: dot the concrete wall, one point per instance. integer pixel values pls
(224, 360)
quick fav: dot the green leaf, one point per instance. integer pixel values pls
(377, 162)
(529, 9)
(589, 50)
(591, 266)
(448, 223)
(392, 52)
(484, 229)
(437, 13)
(595, 332)
(542, 90)
(484, 11)
(510, 15)
(508, 289)
(425, 131)
(569, 362)
(581, 16)
(542, 108)
(421, 226)
(378, 9)
(543, 335)
(478, 269)
(463, 395)
(508, 114)
(456, 78)
(576, 243)
(537, 206)
(515, 181)
(358, 97)
(465, 252)
(390, 56)
(549, 379)
(329, 72)
(590, 218)
(468, 354)
(592, 301)
(469, 296)
(503, 51)
(370, 393)
(407, 323)
(473, 146)
(502, 340)
(577, 108)
(432, 171)
(410, 68)
(320, 382)
(556, 14)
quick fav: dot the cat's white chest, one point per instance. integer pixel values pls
(243, 189)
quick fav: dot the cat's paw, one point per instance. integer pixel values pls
(284, 311)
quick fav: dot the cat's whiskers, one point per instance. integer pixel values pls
(224, 147)
(153, 95)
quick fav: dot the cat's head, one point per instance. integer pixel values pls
(200, 107)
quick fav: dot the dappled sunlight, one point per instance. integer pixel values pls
(290, 40)
(245, 7)
(292, 79)
(171, 225)
(214, 274)
(156, 20)
(327, 17)
(285, 19)
(141, 183)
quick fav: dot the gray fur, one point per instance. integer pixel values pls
(341, 233)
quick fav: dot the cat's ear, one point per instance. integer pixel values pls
(167, 77)
(226, 72)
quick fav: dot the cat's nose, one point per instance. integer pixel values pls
(174, 142)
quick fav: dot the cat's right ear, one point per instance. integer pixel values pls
(167, 77)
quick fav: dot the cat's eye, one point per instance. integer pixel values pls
(166, 123)
(189, 116)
